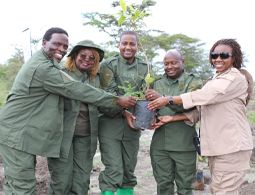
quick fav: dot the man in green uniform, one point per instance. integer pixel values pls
(172, 152)
(119, 143)
(31, 122)
(72, 175)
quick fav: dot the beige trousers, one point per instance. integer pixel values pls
(228, 172)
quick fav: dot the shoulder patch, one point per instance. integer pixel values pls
(191, 74)
(194, 75)
(141, 61)
(144, 63)
(110, 60)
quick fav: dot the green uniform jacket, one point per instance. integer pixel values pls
(117, 72)
(175, 136)
(32, 119)
(71, 112)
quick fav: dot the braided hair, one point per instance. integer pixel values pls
(237, 54)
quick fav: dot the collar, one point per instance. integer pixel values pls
(179, 79)
(124, 61)
(81, 75)
(223, 73)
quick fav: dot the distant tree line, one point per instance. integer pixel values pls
(127, 17)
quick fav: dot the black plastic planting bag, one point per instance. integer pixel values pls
(144, 116)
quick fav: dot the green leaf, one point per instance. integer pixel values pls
(123, 5)
(131, 8)
(136, 15)
(149, 79)
(121, 20)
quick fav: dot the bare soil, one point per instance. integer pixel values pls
(146, 183)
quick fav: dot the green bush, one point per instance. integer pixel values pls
(251, 117)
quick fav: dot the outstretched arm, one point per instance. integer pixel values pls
(163, 101)
(125, 101)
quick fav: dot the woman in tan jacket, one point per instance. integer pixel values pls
(224, 129)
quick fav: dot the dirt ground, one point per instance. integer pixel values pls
(146, 183)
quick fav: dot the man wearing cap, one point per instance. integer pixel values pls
(72, 175)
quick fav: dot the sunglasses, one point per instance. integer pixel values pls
(89, 58)
(223, 55)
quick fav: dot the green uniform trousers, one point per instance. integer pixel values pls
(119, 158)
(72, 176)
(19, 168)
(169, 167)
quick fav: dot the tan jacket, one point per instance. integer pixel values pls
(224, 125)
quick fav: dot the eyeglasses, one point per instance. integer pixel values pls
(88, 58)
(223, 55)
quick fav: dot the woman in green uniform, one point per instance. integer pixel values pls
(72, 175)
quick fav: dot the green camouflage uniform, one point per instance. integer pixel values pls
(119, 143)
(172, 152)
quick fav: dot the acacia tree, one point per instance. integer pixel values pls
(131, 17)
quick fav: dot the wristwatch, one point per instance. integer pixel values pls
(170, 100)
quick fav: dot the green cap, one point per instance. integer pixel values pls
(87, 44)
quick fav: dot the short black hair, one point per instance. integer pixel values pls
(49, 32)
(129, 32)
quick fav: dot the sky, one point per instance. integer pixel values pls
(206, 20)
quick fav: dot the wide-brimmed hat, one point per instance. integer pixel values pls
(87, 44)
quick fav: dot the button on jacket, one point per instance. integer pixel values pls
(116, 73)
(224, 125)
(32, 119)
(175, 136)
